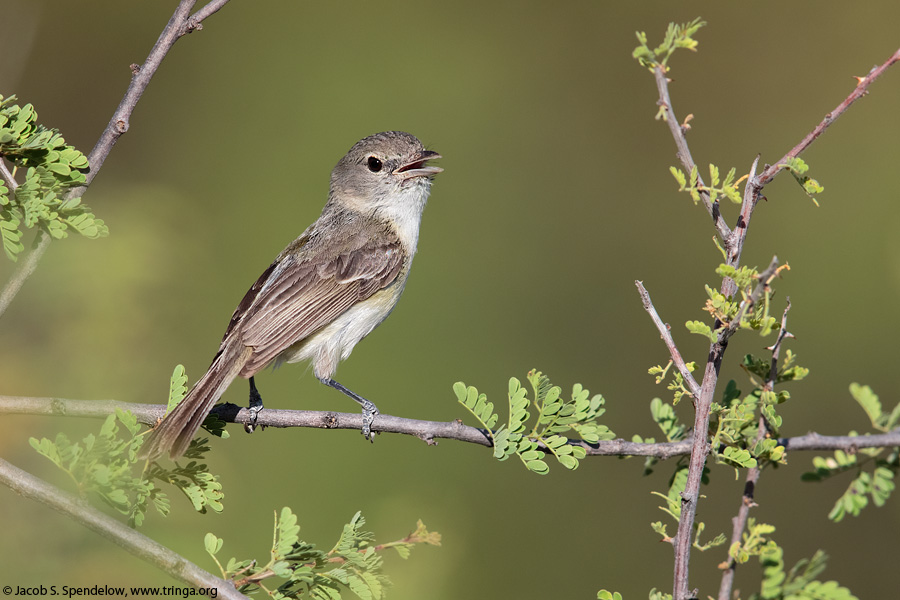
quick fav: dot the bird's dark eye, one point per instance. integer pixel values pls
(374, 164)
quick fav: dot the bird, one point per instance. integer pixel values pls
(327, 290)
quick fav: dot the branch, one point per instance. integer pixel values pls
(180, 24)
(684, 153)
(427, 431)
(136, 543)
(739, 523)
(665, 332)
(8, 178)
(735, 244)
(861, 90)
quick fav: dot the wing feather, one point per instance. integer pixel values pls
(295, 297)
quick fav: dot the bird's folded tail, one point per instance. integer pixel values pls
(174, 434)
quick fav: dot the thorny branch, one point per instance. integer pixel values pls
(734, 242)
(665, 333)
(739, 522)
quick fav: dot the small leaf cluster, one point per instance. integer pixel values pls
(800, 582)
(555, 418)
(725, 188)
(798, 168)
(106, 464)
(663, 414)
(677, 36)
(300, 569)
(103, 464)
(877, 484)
(673, 508)
(677, 385)
(193, 478)
(750, 314)
(734, 422)
(868, 400)
(51, 167)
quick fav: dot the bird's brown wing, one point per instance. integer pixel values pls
(295, 297)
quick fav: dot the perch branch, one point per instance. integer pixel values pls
(427, 431)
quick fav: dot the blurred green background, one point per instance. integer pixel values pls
(555, 198)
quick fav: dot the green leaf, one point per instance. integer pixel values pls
(177, 387)
(538, 466)
(212, 544)
(869, 402)
(701, 328)
(9, 231)
(738, 457)
(477, 404)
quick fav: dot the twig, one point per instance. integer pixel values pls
(739, 522)
(861, 89)
(666, 334)
(27, 266)
(141, 546)
(735, 244)
(8, 178)
(24, 270)
(684, 153)
(428, 431)
(196, 20)
(116, 127)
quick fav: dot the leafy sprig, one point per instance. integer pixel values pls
(677, 36)
(302, 570)
(877, 483)
(800, 583)
(106, 464)
(724, 188)
(51, 167)
(673, 509)
(553, 420)
(798, 168)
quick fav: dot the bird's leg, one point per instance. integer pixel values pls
(256, 405)
(369, 410)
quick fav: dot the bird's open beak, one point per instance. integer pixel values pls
(417, 166)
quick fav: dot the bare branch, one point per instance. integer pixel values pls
(196, 20)
(684, 153)
(666, 334)
(847, 443)
(136, 543)
(23, 271)
(862, 88)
